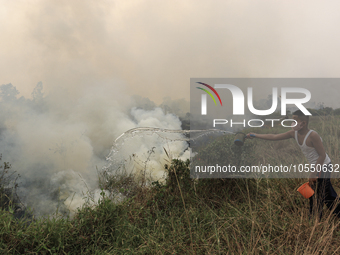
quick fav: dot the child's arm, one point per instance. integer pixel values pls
(273, 137)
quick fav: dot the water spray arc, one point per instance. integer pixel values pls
(161, 137)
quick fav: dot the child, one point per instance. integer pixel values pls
(311, 145)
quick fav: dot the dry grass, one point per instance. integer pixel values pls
(184, 216)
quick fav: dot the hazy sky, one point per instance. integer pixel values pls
(152, 48)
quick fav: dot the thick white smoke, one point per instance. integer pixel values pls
(57, 142)
(150, 149)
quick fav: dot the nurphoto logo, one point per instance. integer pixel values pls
(239, 102)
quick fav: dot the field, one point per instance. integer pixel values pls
(187, 216)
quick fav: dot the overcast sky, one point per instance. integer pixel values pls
(152, 48)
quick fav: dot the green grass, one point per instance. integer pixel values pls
(187, 216)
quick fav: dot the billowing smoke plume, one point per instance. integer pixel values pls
(57, 142)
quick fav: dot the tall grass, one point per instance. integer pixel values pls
(188, 216)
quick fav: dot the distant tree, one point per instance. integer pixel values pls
(8, 92)
(327, 110)
(314, 112)
(37, 93)
(336, 111)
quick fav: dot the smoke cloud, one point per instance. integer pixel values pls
(57, 144)
(155, 47)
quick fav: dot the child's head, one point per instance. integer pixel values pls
(301, 118)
